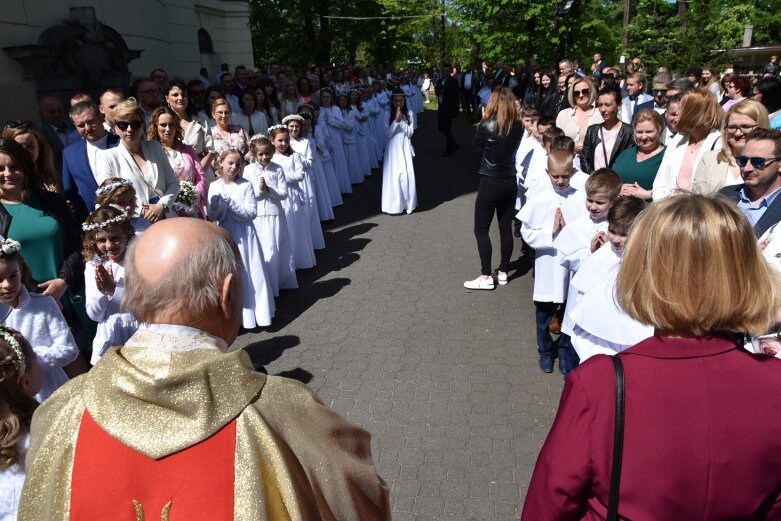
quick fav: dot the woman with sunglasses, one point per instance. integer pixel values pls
(141, 162)
(195, 133)
(699, 130)
(718, 168)
(576, 120)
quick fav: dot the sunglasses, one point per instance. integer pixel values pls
(582, 92)
(21, 124)
(660, 91)
(757, 162)
(135, 125)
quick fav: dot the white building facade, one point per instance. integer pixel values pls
(58, 47)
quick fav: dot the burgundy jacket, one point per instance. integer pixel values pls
(702, 437)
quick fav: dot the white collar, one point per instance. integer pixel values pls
(174, 338)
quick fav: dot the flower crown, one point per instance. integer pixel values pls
(277, 127)
(292, 117)
(112, 186)
(7, 335)
(257, 137)
(305, 106)
(108, 222)
(9, 247)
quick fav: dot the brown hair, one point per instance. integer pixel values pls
(769, 135)
(151, 132)
(549, 134)
(563, 143)
(501, 108)
(704, 235)
(16, 408)
(103, 214)
(223, 155)
(21, 158)
(44, 165)
(604, 180)
(258, 142)
(107, 198)
(560, 158)
(700, 110)
(625, 211)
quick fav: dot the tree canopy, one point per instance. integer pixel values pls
(410, 33)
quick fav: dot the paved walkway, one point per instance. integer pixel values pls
(446, 380)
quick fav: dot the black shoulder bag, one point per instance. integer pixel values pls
(618, 442)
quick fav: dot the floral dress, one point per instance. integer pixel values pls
(236, 139)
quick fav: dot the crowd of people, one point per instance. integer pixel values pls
(107, 218)
(264, 157)
(636, 207)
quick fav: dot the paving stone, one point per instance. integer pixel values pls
(446, 380)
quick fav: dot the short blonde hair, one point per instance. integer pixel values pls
(649, 115)
(700, 110)
(126, 110)
(592, 91)
(682, 244)
(750, 108)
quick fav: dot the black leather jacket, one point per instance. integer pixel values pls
(624, 140)
(498, 152)
(54, 205)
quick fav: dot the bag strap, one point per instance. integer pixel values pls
(618, 442)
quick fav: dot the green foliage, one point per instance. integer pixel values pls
(299, 32)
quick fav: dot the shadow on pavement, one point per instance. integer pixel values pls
(291, 304)
(264, 352)
(302, 375)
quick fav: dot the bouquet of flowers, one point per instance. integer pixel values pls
(185, 199)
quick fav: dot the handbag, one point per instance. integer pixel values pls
(618, 442)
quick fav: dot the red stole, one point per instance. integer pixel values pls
(111, 481)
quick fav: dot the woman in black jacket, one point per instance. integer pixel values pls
(548, 98)
(605, 141)
(499, 133)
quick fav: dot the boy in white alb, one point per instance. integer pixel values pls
(543, 218)
(599, 325)
(581, 238)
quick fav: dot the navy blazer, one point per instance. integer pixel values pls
(771, 216)
(77, 176)
(641, 106)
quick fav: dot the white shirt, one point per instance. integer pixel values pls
(170, 338)
(92, 150)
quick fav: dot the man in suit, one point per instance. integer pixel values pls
(59, 133)
(78, 159)
(447, 96)
(659, 101)
(758, 197)
(635, 90)
(468, 83)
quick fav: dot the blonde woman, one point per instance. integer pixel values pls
(499, 133)
(699, 128)
(574, 121)
(691, 389)
(141, 162)
(718, 168)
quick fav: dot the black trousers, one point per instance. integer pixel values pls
(444, 124)
(496, 195)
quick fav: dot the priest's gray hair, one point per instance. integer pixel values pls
(192, 286)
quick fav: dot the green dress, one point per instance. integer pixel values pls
(43, 250)
(642, 173)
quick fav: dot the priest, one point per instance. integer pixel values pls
(172, 426)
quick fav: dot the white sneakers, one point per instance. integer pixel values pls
(501, 278)
(480, 283)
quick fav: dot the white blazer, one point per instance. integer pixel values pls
(158, 181)
(627, 104)
(259, 122)
(667, 175)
